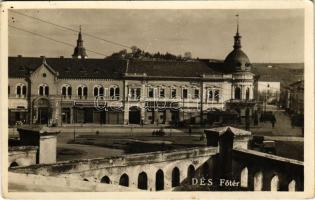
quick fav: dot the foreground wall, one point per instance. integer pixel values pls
(260, 171)
(149, 171)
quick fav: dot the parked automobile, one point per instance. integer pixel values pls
(159, 132)
(269, 146)
(259, 143)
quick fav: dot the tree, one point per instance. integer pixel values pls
(187, 55)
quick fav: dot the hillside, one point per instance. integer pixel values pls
(286, 73)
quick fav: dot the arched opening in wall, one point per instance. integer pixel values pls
(13, 164)
(274, 183)
(258, 181)
(237, 93)
(42, 110)
(247, 93)
(124, 180)
(175, 177)
(244, 178)
(206, 170)
(190, 173)
(134, 115)
(159, 180)
(105, 179)
(143, 181)
(292, 186)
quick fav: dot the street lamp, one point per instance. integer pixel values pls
(266, 97)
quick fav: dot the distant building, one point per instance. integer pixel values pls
(82, 90)
(268, 91)
(295, 97)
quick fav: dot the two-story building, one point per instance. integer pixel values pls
(128, 91)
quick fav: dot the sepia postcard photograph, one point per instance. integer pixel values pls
(157, 99)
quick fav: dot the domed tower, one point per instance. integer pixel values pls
(79, 50)
(238, 64)
(237, 60)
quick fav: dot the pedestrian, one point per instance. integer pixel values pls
(189, 129)
(256, 119)
(273, 121)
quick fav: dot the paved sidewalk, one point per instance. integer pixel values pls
(282, 127)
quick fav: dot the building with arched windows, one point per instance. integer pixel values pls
(84, 90)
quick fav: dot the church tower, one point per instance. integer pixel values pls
(79, 50)
(237, 60)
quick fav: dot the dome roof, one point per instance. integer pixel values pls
(237, 60)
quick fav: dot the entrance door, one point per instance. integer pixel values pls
(134, 115)
(175, 117)
(43, 115)
(88, 115)
(66, 115)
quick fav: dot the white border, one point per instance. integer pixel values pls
(309, 94)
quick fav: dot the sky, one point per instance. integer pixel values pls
(267, 35)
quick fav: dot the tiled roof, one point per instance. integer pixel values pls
(109, 68)
(170, 68)
(69, 67)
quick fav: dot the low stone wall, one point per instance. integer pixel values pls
(141, 170)
(22, 156)
(261, 171)
(38, 183)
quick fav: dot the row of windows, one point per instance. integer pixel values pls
(114, 92)
(238, 93)
(66, 91)
(152, 92)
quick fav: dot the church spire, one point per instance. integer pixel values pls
(79, 50)
(237, 37)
